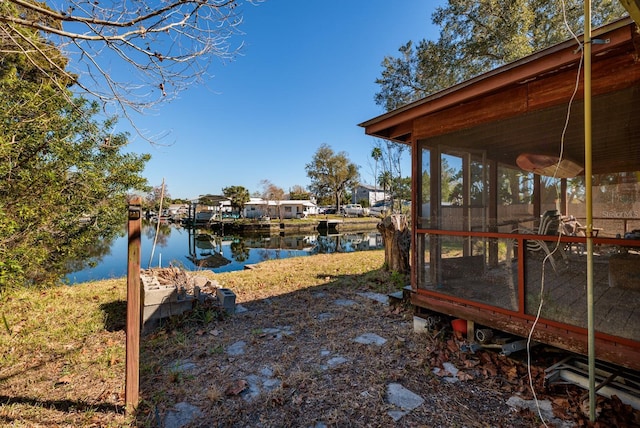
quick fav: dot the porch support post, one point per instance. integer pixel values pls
(417, 244)
(537, 196)
(493, 212)
(564, 202)
(435, 221)
(466, 201)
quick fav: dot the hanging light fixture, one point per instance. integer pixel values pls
(549, 165)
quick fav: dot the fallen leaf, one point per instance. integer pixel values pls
(491, 370)
(511, 373)
(485, 357)
(236, 387)
(64, 380)
(561, 402)
(464, 376)
(470, 363)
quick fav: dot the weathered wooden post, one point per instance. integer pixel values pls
(396, 237)
(132, 377)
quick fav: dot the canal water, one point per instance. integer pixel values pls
(197, 249)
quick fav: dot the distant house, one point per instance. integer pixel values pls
(258, 207)
(365, 192)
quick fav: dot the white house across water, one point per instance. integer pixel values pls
(286, 209)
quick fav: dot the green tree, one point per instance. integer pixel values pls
(331, 174)
(239, 250)
(451, 178)
(299, 193)
(426, 186)
(516, 186)
(477, 36)
(386, 181)
(64, 178)
(390, 155)
(402, 186)
(239, 196)
(416, 73)
(376, 154)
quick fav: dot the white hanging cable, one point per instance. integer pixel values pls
(558, 243)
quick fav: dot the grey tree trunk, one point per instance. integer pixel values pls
(396, 237)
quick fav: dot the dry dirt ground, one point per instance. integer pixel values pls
(329, 356)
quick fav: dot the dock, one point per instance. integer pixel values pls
(329, 224)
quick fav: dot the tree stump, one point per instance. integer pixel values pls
(396, 238)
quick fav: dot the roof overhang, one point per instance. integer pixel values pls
(522, 106)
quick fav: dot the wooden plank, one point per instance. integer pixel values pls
(616, 73)
(510, 102)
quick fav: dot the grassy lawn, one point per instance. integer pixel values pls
(62, 350)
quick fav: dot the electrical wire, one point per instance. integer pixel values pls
(558, 243)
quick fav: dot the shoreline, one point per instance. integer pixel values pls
(337, 224)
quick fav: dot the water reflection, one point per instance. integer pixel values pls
(205, 251)
(196, 249)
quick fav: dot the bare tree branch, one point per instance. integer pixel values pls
(131, 55)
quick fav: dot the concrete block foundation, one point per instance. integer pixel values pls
(227, 299)
(160, 302)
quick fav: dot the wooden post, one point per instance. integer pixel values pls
(132, 378)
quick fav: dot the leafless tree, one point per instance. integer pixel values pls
(271, 192)
(130, 54)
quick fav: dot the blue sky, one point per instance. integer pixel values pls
(305, 78)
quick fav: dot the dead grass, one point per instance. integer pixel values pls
(63, 357)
